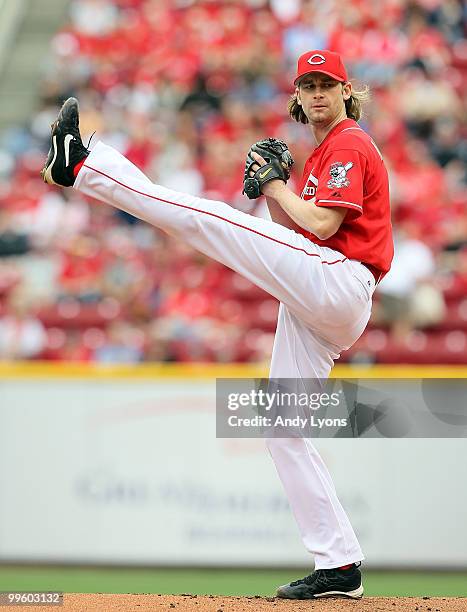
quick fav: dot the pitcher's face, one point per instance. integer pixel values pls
(322, 98)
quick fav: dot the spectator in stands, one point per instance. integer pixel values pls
(12, 241)
(22, 335)
(124, 344)
(408, 297)
(94, 17)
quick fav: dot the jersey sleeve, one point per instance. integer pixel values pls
(340, 181)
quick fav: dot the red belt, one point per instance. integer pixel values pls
(376, 273)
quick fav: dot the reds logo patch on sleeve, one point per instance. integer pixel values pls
(338, 172)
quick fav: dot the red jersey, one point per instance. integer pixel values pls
(347, 170)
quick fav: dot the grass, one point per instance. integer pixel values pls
(215, 581)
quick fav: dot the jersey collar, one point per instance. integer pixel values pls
(340, 127)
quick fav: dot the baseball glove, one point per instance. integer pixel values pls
(278, 163)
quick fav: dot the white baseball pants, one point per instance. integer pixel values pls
(325, 306)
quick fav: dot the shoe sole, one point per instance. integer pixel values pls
(46, 172)
(355, 594)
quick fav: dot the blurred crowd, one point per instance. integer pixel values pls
(183, 88)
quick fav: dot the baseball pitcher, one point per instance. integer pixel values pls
(321, 255)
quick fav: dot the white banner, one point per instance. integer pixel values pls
(130, 471)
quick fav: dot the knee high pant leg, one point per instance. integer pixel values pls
(323, 523)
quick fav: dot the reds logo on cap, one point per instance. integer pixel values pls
(312, 61)
(317, 58)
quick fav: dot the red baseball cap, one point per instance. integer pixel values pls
(327, 62)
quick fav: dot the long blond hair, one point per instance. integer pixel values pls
(353, 106)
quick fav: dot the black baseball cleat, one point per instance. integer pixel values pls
(325, 583)
(66, 149)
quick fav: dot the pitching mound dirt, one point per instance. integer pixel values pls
(198, 603)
